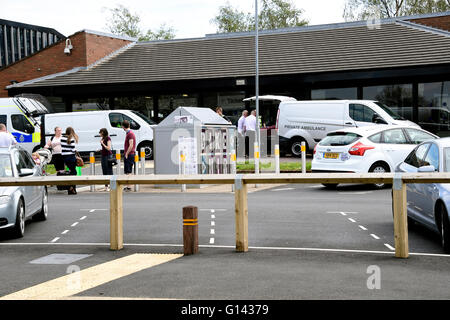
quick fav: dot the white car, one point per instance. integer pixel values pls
(377, 148)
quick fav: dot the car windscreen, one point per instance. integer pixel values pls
(339, 139)
(5, 166)
(144, 117)
(389, 111)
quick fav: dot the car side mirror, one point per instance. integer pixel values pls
(26, 172)
(429, 168)
(377, 119)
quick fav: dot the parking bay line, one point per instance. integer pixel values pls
(91, 277)
(105, 244)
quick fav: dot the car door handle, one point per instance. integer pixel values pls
(97, 136)
(349, 123)
(113, 135)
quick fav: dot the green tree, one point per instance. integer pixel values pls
(123, 22)
(274, 14)
(365, 9)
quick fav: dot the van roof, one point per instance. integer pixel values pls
(328, 101)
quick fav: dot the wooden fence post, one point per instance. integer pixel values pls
(116, 216)
(190, 230)
(400, 218)
(241, 210)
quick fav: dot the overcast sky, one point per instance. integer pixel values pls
(189, 18)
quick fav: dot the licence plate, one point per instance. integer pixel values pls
(331, 155)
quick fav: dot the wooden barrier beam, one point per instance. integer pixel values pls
(399, 206)
(116, 216)
(241, 213)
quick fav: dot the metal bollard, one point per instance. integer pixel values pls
(277, 158)
(233, 166)
(183, 169)
(142, 161)
(303, 157)
(136, 170)
(190, 230)
(256, 156)
(92, 163)
(118, 162)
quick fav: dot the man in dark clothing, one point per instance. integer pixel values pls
(129, 150)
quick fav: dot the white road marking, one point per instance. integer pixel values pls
(390, 247)
(213, 223)
(215, 246)
(352, 220)
(213, 216)
(65, 231)
(362, 227)
(54, 240)
(211, 241)
(73, 225)
(92, 210)
(212, 231)
(83, 217)
(283, 189)
(375, 236)
(343, 213)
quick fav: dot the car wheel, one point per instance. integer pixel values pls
(445, 230)
(330, 185)
(19, 227)
(379, 168)
(296, 147)
(43, 214)
(148, 148)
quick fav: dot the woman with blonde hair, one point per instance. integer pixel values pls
(68, 142)
(55, 144)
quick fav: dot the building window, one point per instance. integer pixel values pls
(168, 103)
(334, 94)
(2, 47)
(14, 44)
(44, 39)
(38, 40)
(22, 43)
(398, 97)
(434, 107)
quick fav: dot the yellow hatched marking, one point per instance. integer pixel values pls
(92, 277)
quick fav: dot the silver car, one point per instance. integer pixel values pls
(20, 203)
(428, 204)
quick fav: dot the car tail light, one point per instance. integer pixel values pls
(359, 149)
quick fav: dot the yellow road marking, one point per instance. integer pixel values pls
(89, 278)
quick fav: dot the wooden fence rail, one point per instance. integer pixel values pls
(241, 204)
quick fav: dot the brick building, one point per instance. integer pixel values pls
(403, 62)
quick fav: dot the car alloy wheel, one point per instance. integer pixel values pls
(43, 214)
(445, 230)
(379, 168)
(19, 227)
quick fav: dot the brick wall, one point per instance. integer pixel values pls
(87, 48)
(442, 22)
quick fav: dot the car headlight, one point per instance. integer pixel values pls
(4, 199)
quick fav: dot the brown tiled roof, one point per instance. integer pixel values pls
(343, 47)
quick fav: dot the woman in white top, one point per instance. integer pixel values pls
(55, 144)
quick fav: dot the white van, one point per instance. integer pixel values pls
(88, 123)
(310, 121)
(18, 114)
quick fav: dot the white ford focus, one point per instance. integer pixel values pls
(366, 149)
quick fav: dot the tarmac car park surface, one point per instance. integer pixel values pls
(305, 242)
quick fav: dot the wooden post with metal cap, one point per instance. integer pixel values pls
(92, 163)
